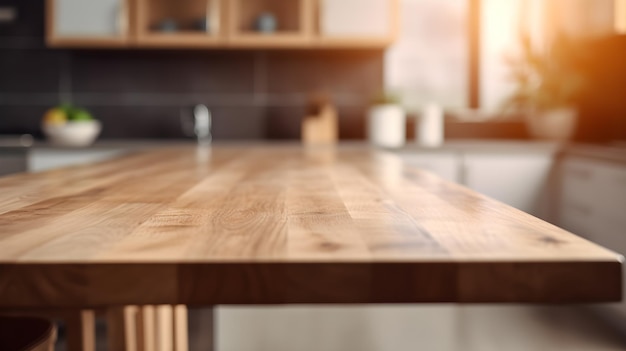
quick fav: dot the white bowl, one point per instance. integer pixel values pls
(82, 133)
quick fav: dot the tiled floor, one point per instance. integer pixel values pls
(399, 328)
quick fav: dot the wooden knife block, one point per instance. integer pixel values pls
(321, 125)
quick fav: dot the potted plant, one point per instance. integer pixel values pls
(547, 85)
(386, 124)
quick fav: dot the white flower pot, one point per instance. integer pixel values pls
(386, 126)
(556, 124)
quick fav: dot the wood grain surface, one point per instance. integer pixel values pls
(279, 224)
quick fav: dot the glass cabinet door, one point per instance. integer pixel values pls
(90, 18)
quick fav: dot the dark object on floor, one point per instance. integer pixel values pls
(26, 334)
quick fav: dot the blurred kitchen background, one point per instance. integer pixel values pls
(138, 83)
(522, 100)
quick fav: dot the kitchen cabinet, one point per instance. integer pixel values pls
(12, 161)
(518, 179)
(514, 176)
(47, 159)
(444, 164)
(294, 22)
(377, 21)
(199, 23)
(221, 24)
(87, 23)
(591, 203)
(592, 195)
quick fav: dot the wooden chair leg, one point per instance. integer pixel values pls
(164, 324)
(81, 330)
(181, 329)
(122, 328)
(146, 329)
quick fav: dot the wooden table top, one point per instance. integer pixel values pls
(279, 224)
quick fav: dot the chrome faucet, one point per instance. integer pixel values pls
(202, 124)
(199, 125)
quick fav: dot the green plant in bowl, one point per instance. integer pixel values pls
(70, 126)
(76, 114)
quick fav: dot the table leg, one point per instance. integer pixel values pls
(202, 326)
(211, 331)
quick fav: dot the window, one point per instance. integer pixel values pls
(503, 20)
(433, 59)
(429, 61)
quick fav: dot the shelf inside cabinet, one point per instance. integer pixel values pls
(179, 23)
(289, 22)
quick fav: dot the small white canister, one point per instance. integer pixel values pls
(387, 126)
(430, 126)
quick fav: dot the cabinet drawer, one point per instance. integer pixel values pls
(596, 185)
(612, 193)
(578, 219)
(578, 201)
(581, 181)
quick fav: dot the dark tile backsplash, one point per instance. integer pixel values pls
(142, 93)
(18, 119)
(169, 72)
(30, 23)
(339, 73)
(24, 71)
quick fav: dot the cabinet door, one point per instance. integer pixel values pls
(445, 165)
(376, 19)
(592, 187)
(93, 21)
(43, 160)
(517, 179)
(12, 163)
(591, 204)
(610, 234)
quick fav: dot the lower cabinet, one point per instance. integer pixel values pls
(444, 164)
(517, 178)
(591, 203)
(46, 159)
(592, 198)
(520, 180)
(13, 162)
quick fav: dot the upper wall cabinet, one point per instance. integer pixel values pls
(376, 23)
(262, 24)
(86, 23)
(167, 23)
